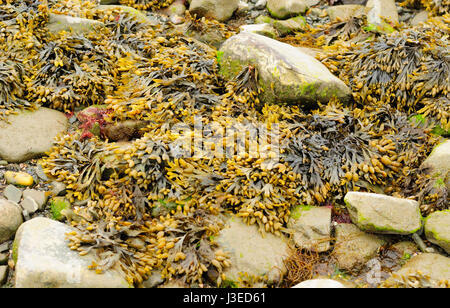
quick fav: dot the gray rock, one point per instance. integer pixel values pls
(312, 227)
(29, 205)
(262, 29)
(419, 18)
(30, 133)
(220, 10)
(12, 193)
(382, 8)
(437, 229)
(58, 188)
(10, 219)
(3, 274)
(345, 12)
(252, 253)
(3, 258)
(282, 9)
(44, 260)
(154, 280)
(439, 162)
(354, 248)
(260, 4)
(383, 214)
(58, 23)
(294, 24)
(40, 197)
(286, 74)
(319, 283)
(435, 267)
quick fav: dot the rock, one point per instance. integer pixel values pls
(311, 227)
(382, 9)
(58, 23)
(295, 24)
(405, 249)
(383, 214)
(40, 197)
(319, 283)
(435, 266)
(262, 29)
(125, 130)
(30, 134)
(29, 205)
(44, 260)
(109, 1)
(220, 10)
(18, 178)
(3, 274)
(419, 18)
(250, 252)
(57, 205)
(439, 162)
(282, 9)
(10, 219)
(286, 74)
(437, 229)
(345, 12)
(354, 248)
(12, 193)
(154, 280)
(3, 258)
(260, 4)
(58, 188)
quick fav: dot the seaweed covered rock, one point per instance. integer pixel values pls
(30, 134)
(59, 23)
(437, 229)
(220, 10)
(286, 74)
(10, 219)
(282, 9)
(44, 260)
(383, 214)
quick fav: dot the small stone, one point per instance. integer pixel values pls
(345, 12)
(12, 193)
(319, 283)
(18, 178)
(3, 274)
(261, 4)
(220, 10)
(29, 205)
(10, 219)
(3, 162)
(419, 18)
(382, 9)
(58, 188)
(40, 197)
(437, 229)
(154, 280)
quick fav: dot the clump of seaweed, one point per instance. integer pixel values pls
(436, 7)
(414, 280)
(147, 4)
(300, 266)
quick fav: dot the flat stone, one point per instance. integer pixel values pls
(434, 266)
(383, 214)
(312, 227)
(319, 283)
(287, 75)
(40, 197)
(419, 18)
(437, 229)
(29, 205)
(252, 253)
(354, 248)
(12, 193)
(44, 260)
(282, 9)
(10, 219)
(220, 10)
(30, 134)
(58, 23)
(439, 162)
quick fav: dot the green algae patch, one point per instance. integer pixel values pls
(57, 205)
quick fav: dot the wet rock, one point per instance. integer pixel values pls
(435, 267)
(437, 229)
(10, 219)
(383, 214)
(262, 29)
(58, 23)
(3, 274)
(220, 10)
(439, 162)
(311, 227)
(30, 134)
(345, 12)
(354, 248)
(382, 9)
(286, 74)
(18, 178)
(40, 197)
(12, 193)
(319, 283)
(250, 252)
(44, 260)
(282, 9)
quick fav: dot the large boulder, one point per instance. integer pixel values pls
(354, 248)
(282, 9)
(383, 214)
(29, 134)
(10, 219)
(252, 253)
(44, 260)
(437, 229)
(220, 10)
(286, 74)
(439, 162)
(424, 270)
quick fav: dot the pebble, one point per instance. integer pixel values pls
(29, 205)
(12, 193)
(40, 197)
(18, 178)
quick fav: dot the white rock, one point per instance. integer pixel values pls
(319, 283)
(382, 8)
(220, 10)
(57, 23)
(439, 162)
(282, 9)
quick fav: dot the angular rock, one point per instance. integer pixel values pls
(312, 227)
(383, 214)
(12, 193)
(434, 266)
(439, 162)
(282, 9)
(40, 197)
(286, 74)
(220, 10)
(437, 229)
(29, 134)
(354, 248)
(10, 219)
(58, 23)
(29, 205)
(44, 260)
(250, 252)
(319, 283)
(345, 12)
(382, 9)
(262, 29)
